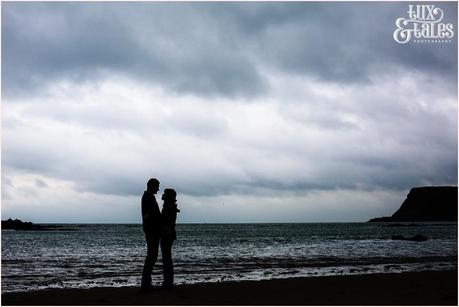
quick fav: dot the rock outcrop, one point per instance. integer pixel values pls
(426, 204)
(416, 238)
(20, 225)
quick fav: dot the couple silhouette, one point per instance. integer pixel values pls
(159, 229)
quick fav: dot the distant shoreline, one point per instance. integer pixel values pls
(413, 288)
(265, 223)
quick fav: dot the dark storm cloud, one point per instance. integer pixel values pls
(206, 48)
(341, 42)
(42, 43)
(47, 42)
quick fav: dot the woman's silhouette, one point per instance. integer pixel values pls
(168, 235)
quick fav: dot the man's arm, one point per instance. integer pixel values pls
(145, 213)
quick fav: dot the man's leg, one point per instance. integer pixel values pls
(168, 269)
(150, 260)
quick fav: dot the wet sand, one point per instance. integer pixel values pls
(417, 288)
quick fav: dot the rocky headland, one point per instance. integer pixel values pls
(426, 204)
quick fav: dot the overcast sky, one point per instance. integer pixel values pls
(253, 112)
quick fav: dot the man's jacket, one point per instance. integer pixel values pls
(151, 216)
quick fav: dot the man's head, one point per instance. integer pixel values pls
(153, 185)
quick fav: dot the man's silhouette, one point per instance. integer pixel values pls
(151, 218)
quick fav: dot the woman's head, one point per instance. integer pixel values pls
(169, 195)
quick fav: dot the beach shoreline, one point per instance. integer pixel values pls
(410, 288)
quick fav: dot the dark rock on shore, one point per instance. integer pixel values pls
(17, 225)
(20, 225)
(426, 204)
(382, 219)
(416, 238)
(403, 225)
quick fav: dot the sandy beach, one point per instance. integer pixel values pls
(416, 288)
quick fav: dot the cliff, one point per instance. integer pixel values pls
(426, 204)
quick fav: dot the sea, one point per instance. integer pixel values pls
(112, 255)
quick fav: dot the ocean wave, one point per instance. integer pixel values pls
(113, 255)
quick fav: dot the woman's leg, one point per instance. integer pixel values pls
(168, 268)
